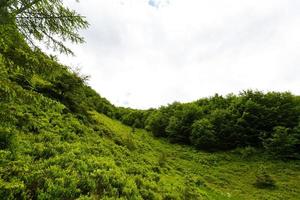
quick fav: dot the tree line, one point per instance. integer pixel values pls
(263, 120)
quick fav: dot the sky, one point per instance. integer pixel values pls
(148, 53)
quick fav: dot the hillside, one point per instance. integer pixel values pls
(49, 151)
(59, 139)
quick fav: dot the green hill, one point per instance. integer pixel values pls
(59, 139)
(51, 149)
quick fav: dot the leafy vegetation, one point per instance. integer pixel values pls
(264, 180)
(268, 121)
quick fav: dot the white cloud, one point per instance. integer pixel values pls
(145, 56)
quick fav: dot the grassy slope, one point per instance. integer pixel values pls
(220, 175)
(55, 156)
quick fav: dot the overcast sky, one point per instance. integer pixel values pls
(146, 53)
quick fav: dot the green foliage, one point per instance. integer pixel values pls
(181, 122)
(264, 180)
(203, 135)
(174, 126)
(246, 152)
(190, 191)
(157, 123)
(283, 143)
(12, 190)
(129, 142)
(162, 160)
(6, 138)
(226, 123)
(43, 20)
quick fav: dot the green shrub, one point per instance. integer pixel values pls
(191, 190)
(149, 194)
(86, 184)
(203, 135)
(130, 142)
(246, 152)
(171, 196)
(12, 190)
(162, 160)
(109, 183)
(283, 143)
(6, 138)
(264, 180)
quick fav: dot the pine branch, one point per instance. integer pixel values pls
(25, 7)
(48, 17)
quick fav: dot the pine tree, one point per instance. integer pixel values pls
(48, 21)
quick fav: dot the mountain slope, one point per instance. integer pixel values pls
(55, 144)
(230, 175)
(48, 153)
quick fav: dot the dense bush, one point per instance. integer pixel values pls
(203, 136)
(6, 138)
(283, 143)
(249, 119)
(157, 123)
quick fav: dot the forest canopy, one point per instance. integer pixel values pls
(263, 120)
